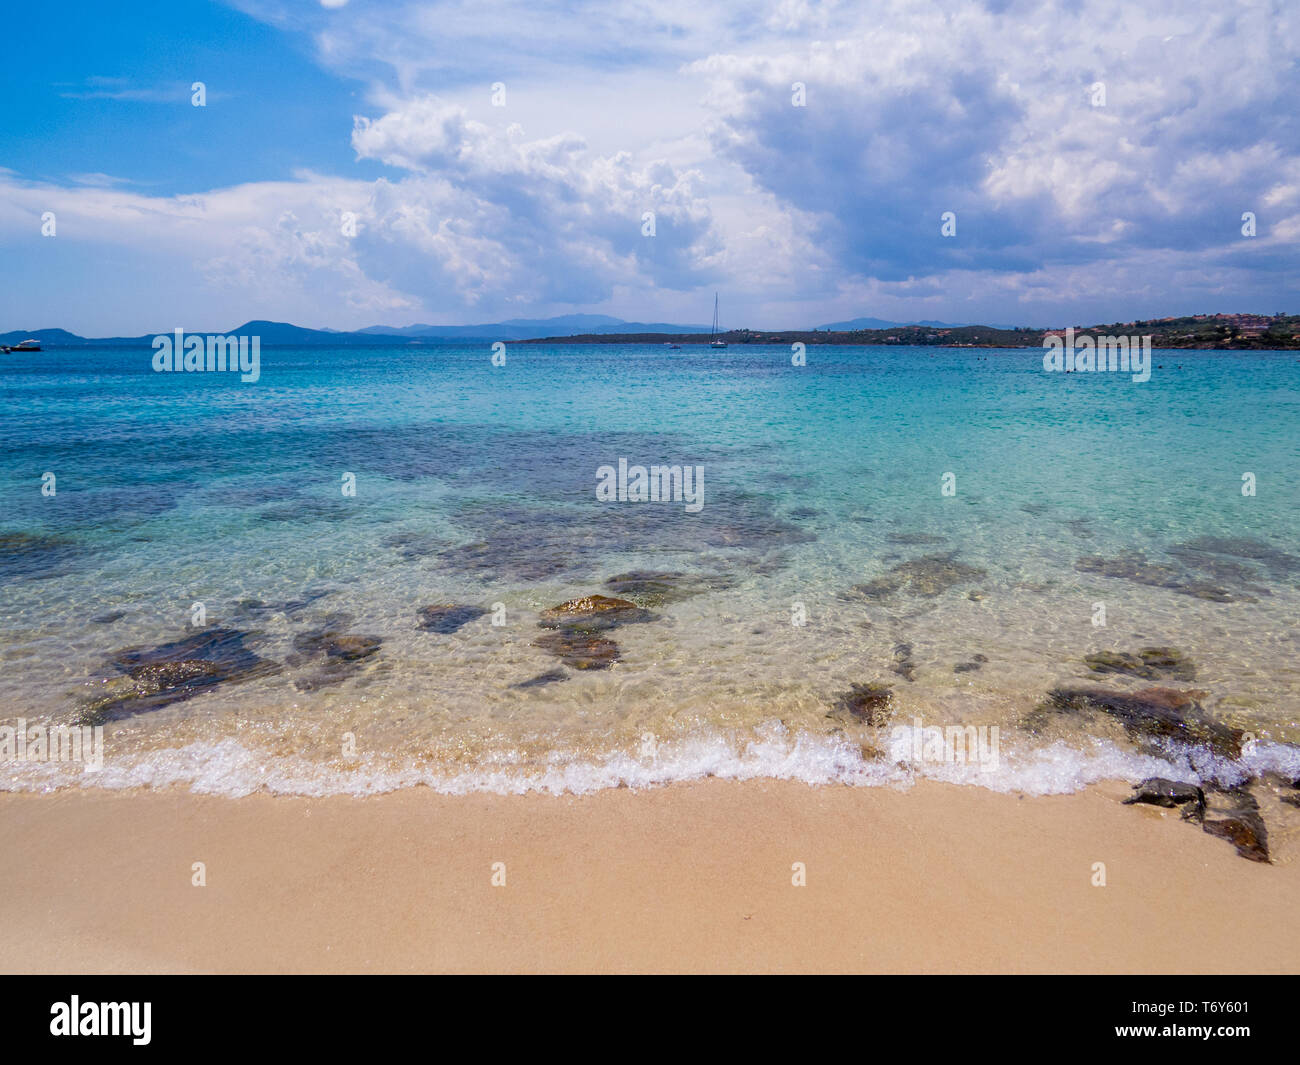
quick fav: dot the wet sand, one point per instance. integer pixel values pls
(690, 878)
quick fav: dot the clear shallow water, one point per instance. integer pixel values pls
(476, 486)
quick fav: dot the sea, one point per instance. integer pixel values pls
(893, 563)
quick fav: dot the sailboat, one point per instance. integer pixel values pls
(715, 341)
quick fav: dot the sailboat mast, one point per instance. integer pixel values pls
(715, 341)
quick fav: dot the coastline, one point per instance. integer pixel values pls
(684, 878)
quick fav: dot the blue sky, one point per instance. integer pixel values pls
(467, 208)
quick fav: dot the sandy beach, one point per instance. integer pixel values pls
(688, 878)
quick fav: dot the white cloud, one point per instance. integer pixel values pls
(914, 107)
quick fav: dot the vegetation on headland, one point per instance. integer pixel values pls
(1223, 331)
(1212, 331)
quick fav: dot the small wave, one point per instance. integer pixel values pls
(232, 769)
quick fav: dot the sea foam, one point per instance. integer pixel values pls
(230, 768)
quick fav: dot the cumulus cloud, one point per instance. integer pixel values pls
(985, 108)
(989, 111)
(491, 211)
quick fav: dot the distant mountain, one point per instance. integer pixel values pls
(530, 328)
(880, 323)
(54, 338)
(1279, 332)
(285, 334)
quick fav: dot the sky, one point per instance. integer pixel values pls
(363, 162)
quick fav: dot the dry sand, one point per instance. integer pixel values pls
(684, 878)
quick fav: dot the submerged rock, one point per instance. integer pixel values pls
(1169, 793)
(295, 606)
(656, 587)
(1278, 562)
(1224, 571)
(337, 655)
(1137, 569)
(173, 672)
(925, 577)
(1152, 715)
(1150, 663)
(247, 610)
(413, 546)
(594, 613)
(579, 650)
(554, 676)
(446, 618)
(347, 646)
(36, 555)
(1131, 568)
(865, 704)
(903, 665)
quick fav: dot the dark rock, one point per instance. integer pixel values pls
(965, 667)
(1119, 662)
(1131, 568)
(412, 546)
(1168, 660)
(903, 664)
(108, 617)
(1150, 663)
(1169, 793)
(1244, 831)
(1152, 715)
(347, 646)
(256, 609)
(36, 555)
(161, 676)
(656, 587)
(555, 676)
(1213, 592)
(1274, 559)
(338, 656)
(1233, 814)
(594, 613)
(174, 672)
(446, 618)
(1137, 569)
(307, 511)
(864, 704)
(1222, 571)
(294, 606)
(507, 558)
(579, 650)
(925, 577)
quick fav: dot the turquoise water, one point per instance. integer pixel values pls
(476, 487)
